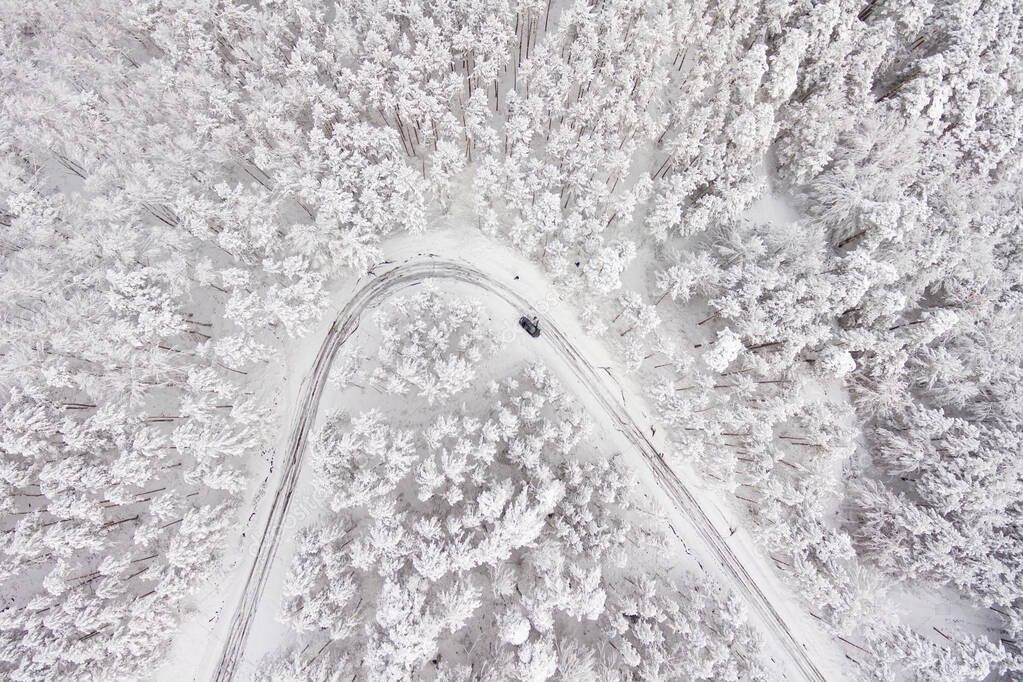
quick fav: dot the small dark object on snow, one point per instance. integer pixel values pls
(516, 276)
(531, 326)
(577, 263)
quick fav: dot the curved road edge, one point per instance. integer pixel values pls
(371, 294)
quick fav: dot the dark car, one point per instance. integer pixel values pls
(531, 326)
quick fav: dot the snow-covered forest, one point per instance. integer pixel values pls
(774, 252)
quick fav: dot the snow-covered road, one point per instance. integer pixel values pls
(387, 279)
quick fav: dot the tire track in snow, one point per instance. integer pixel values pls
(369, 296)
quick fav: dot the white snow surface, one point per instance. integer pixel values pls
(197, 649)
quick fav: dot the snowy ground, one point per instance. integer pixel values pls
(205, 632)
(199, 647)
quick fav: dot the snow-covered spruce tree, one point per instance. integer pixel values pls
(122, 437)
(148, 269)
(905, 654)
(555, 178)
(430, 344)
(486, 548)
(924, 187)
(895, 139)
(729, 72)
(121, 443)
(949, 462)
